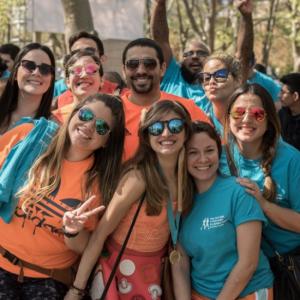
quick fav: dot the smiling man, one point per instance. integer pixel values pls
(182, 79)
(143, 68)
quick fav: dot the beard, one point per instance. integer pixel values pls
(142, 89)
(189, 76)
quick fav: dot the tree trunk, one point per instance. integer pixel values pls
(295, 35)
(77, 16)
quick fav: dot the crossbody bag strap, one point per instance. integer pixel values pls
(114, 269)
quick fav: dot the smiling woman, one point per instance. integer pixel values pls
(29, 89)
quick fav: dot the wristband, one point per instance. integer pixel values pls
(68, 234)
(79, 292)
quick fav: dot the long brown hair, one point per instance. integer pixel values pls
(147, 163)
(42, 178)
(269, 140)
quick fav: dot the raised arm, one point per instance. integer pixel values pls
(245, 36)
(159, 28)
(248, 246)
(129, 190)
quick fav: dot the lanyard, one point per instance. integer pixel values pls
(173, 222)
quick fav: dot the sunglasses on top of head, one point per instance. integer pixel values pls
(86, 115)
(148, 63)
(89, 69)
(258, 113)
(174, 126)
(219, 76)
(30, 66)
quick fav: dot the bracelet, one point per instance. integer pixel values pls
(79, 292)
(68, 234)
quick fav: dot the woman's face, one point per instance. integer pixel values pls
(34, 80)
(218, 88)
(171, 140)
(202, 159)
(89, 129)
(248, 120)
(84, 78)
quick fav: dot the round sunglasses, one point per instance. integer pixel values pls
(148, 63)
(86, 115)
(30, 66)
(174, 126)
(89, 69)
(219, 76)
(258, 113)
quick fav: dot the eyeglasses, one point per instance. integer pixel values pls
(89, 69)
(219, 76)
(86, 115)
(257, 112)
(149, 63)
(31, 66)
(174, 126)
(199, 53)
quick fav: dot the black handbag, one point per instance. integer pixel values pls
(286, 270)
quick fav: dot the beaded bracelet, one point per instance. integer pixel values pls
(68, 234)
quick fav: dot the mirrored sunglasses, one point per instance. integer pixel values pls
(148, 63)
(89, 69)
(174, 126)
(258, 113)
(30, 66)
(86, 115)
(199, 53)
(219, 76)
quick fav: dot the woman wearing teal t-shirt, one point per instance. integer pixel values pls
(220, 237)
(267, 167)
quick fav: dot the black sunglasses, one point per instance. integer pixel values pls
(174, 126)
(31, 66)
(219, 76)
(149, 63)
(86, 115)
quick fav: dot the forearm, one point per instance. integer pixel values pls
(237, 280)
(79, 242)
(283, 217)
(245, 44)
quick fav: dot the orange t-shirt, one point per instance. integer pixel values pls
(36, 237)
(149, 234)
(133, 116)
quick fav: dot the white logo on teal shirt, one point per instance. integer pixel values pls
(214, 222)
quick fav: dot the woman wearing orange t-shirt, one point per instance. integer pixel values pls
(82, 159)
(152, 173)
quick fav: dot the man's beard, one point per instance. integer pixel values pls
(188, 76)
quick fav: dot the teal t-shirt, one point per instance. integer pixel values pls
(59, 87)
(268, 83)
(174, 83)
(208, 235)
(285, 171)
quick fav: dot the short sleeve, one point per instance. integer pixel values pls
(293, 180)
(172, 72)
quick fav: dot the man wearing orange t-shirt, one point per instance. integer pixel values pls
(143, 68)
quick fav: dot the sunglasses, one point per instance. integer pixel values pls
(258, 113)
(89, 69)
(86, 115)
(148, 63)
(31, 66)
(219, 76)
(174, 126)
(199, 53)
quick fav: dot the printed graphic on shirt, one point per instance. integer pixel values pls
(214, 222)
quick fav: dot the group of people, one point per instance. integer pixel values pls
(196, 152)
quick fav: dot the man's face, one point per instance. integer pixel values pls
(84, 43)
(6, 58)
(286, 96)
(194, 56)
(142, 70)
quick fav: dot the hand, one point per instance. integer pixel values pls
(252, 189)
(74, 220)
(244, 6)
